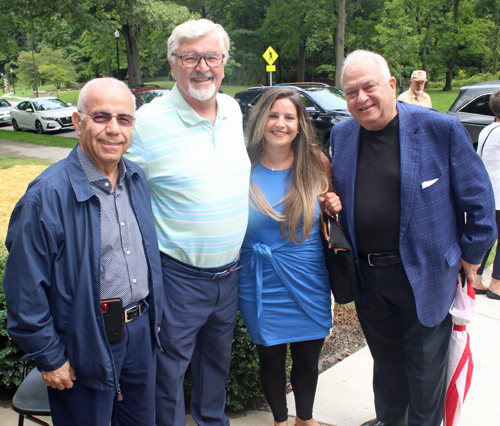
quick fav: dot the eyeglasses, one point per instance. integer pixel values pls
(191, 60)
(123, 120)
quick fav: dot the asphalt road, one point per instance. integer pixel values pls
(65, 133)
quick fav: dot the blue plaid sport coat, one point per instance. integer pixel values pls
(442, 178)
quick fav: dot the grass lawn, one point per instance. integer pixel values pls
(442, 100)
(30, 137)
(7, 162)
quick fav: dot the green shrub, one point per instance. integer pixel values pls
(243, 388)
(11, 365)
(461, 81)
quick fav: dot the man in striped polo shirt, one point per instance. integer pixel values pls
(190, 144)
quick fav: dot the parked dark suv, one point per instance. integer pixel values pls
(472, 107)
(326, 105)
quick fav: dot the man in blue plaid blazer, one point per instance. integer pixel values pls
(406, 175)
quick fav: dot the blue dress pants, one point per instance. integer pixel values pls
(135, 363)
(197, 327)
(410, 359)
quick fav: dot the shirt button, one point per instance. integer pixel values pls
(134, 280)
(123, 223)
(128, 251)
(106, 184)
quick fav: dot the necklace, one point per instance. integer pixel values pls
(280, 166)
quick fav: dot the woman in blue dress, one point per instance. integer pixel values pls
(284, 291)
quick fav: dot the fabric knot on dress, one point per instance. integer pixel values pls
(262, 250)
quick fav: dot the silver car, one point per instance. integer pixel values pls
(42, 115)
(5, 108)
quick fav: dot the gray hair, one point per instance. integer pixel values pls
(108, 81)
(198, 28)
(495, 103)
(382, 63)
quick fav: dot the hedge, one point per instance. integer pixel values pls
(243, 388)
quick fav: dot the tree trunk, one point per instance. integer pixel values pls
(454, 51)
(339, 43)
(131, 37)
(301, 66)
(449, 72)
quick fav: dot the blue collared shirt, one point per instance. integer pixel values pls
(124, 270)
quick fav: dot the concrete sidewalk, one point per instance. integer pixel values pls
(33, 152)
(344, 396)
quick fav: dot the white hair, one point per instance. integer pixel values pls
(382, 63)
(108, 81)
(198, 28)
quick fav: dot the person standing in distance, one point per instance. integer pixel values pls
(190, 144)
(415, 94)
(406, 175)
(83, 248)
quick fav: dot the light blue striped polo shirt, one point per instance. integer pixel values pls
(198, 176)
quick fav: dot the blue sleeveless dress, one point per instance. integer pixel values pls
(284, 292)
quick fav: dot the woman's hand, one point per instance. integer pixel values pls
(331, 203)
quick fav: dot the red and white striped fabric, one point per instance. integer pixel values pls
(460, 363)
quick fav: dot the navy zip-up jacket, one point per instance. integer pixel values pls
(51, 279)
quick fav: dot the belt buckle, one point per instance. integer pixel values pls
(226, 272)
(369, 258)
(137, 309)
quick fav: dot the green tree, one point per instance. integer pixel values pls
(100, 17)
(50, 65)
(290, 24)
(55, 75)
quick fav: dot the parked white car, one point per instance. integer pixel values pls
(42, 115)
(5, 108)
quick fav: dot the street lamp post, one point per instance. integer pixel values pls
(12, 79)
(117, 34)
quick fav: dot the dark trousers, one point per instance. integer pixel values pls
(304, 376)
(410, 360)
(496, 263)
(135, 363)
(197, 327)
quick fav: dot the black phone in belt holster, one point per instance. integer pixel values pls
(112, 313)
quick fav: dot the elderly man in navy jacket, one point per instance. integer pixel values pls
(406, 175)
(83, 279)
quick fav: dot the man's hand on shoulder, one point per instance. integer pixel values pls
(470, 270)
(62, 378)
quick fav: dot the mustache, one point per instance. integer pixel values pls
(198, 74)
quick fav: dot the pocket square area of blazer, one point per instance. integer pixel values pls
(428, 183)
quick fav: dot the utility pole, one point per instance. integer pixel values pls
(34, 67)
(117, 35)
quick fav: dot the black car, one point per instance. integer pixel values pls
(472, 107)
(326, 105)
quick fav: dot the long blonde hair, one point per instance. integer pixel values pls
(307, 177)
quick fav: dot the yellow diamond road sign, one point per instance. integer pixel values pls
(270, 55)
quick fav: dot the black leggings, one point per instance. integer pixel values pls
(496, 263)
(304, 376)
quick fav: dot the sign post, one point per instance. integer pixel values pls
(270, 56)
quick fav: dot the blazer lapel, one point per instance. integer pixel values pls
(350, 179)
(410, 164)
